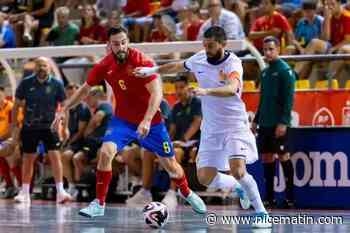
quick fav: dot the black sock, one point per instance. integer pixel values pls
(269, 173)
(289, 176)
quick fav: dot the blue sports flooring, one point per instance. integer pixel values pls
(47, 217)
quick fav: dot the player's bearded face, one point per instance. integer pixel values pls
(119, 46)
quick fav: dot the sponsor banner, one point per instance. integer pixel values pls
(320, 158)
(311, 108)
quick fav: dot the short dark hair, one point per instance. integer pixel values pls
(2, 88)
(116, 30)
(217, 33)
(269, 39)
(182, 78)
(309, 5)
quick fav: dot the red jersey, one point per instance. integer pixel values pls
(158, 36)
(340, 27)
(95, 32)
(193, 30)
(143, 6)
(130, 92)
(266, 23)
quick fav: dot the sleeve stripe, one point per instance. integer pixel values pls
(186, 67)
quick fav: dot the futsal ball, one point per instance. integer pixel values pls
(155, 214)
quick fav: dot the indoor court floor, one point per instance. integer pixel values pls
(46, 217)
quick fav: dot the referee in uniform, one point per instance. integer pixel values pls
(273, 118)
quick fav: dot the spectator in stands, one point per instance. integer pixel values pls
(114, 20)
(272, 23)
(336, 40)
(273, 117)
(36, 16)
(135, 18)
(309, 27)
(94, 132)
(65, 32)
(91, 32)
(39, 95)
(105, 8)
(228, 20)
(75, 124)
(239, 7)
(160, 32)
(189, 22)
(7, 35)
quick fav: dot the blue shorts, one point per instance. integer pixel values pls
(122, 133)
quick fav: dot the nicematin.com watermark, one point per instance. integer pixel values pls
(300, 219)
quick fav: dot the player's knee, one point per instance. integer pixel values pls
(203, 178)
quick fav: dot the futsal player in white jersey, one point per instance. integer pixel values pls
(226, 140)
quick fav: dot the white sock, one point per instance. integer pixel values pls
(222, 181)
(251, 188)
(146, 192)
(26, 189)
(59, 187)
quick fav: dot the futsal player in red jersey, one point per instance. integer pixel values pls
(137, 117)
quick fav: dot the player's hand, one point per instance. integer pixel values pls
(60, 116)
(199, 91)
(143, 72)
(144, 128)
(280, 130)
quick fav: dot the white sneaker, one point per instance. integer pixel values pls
(170, 199)
(63, 197)
(22, 197)
(139, 199)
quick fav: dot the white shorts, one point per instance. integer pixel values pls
(216, 150)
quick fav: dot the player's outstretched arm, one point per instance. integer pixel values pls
(169, 68)
(230, 89)
(82, 92)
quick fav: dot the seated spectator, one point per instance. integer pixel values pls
(75, 125)
(272, 23)
(105, 8)
(308, 28)
(189, 24)
(115, 19)
(36, 17)
(336, 39)
(94, 132)
(135, 18)
(91, 32)
(228, 20)
(7, 35)
(65, 32)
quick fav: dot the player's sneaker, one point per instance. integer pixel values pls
(22, 198)
(74, 192)
(261, 220)
(196, 202)
(93, 210)
(243, 198)
(170, 199)
(139, 199)
(63, 197)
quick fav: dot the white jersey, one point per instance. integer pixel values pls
(220, 114)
